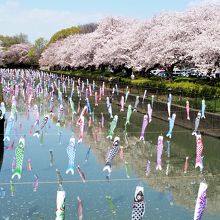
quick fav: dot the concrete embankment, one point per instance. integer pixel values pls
(209, 126)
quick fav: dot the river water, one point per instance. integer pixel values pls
(168, 195)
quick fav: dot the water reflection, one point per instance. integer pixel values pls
(175, 186)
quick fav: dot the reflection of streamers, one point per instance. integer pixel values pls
(42, 138)
(168, 149)
(169, 194)
(127, 169)
(60, 136)
(31, 130)
(148, 169)
(51, 157)
(2, 193)
(79, 208)
(12, 188)
(81, 173)
(35, 183)
(59, 178)
(87, 154)
(29, 168)
(125, 137)
(110, 204)
(13, 165)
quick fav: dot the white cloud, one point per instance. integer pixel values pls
(203, 2)
(38, 22)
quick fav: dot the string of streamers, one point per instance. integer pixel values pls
(104, 113)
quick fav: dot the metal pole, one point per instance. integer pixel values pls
(215, 102)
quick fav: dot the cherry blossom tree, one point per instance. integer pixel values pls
(79, 50)
(169, 39)
(175, 39)
(17, 54)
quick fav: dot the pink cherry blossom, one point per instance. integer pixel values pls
(168, 38)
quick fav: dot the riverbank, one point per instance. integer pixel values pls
(209, 126)
(182, 88)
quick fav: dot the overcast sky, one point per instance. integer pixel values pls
(42, 18)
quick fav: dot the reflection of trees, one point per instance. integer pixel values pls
(184, 187)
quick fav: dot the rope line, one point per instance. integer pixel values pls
(110, 180)
(123, 132)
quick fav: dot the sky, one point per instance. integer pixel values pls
(42, 18)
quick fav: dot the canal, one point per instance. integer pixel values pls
(169, 193)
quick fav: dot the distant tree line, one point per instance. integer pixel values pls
(7, 41)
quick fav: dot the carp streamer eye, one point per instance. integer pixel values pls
(138, 197)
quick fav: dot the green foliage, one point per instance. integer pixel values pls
(32, 55)
(209, 91)
(81, 29)
(186, 88)
(185, 79)
(7, 41)
(64, 33)
(217, 84)
(40, 44)
(35, 52)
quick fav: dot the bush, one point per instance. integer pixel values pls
(208, 90)
(184, 79)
